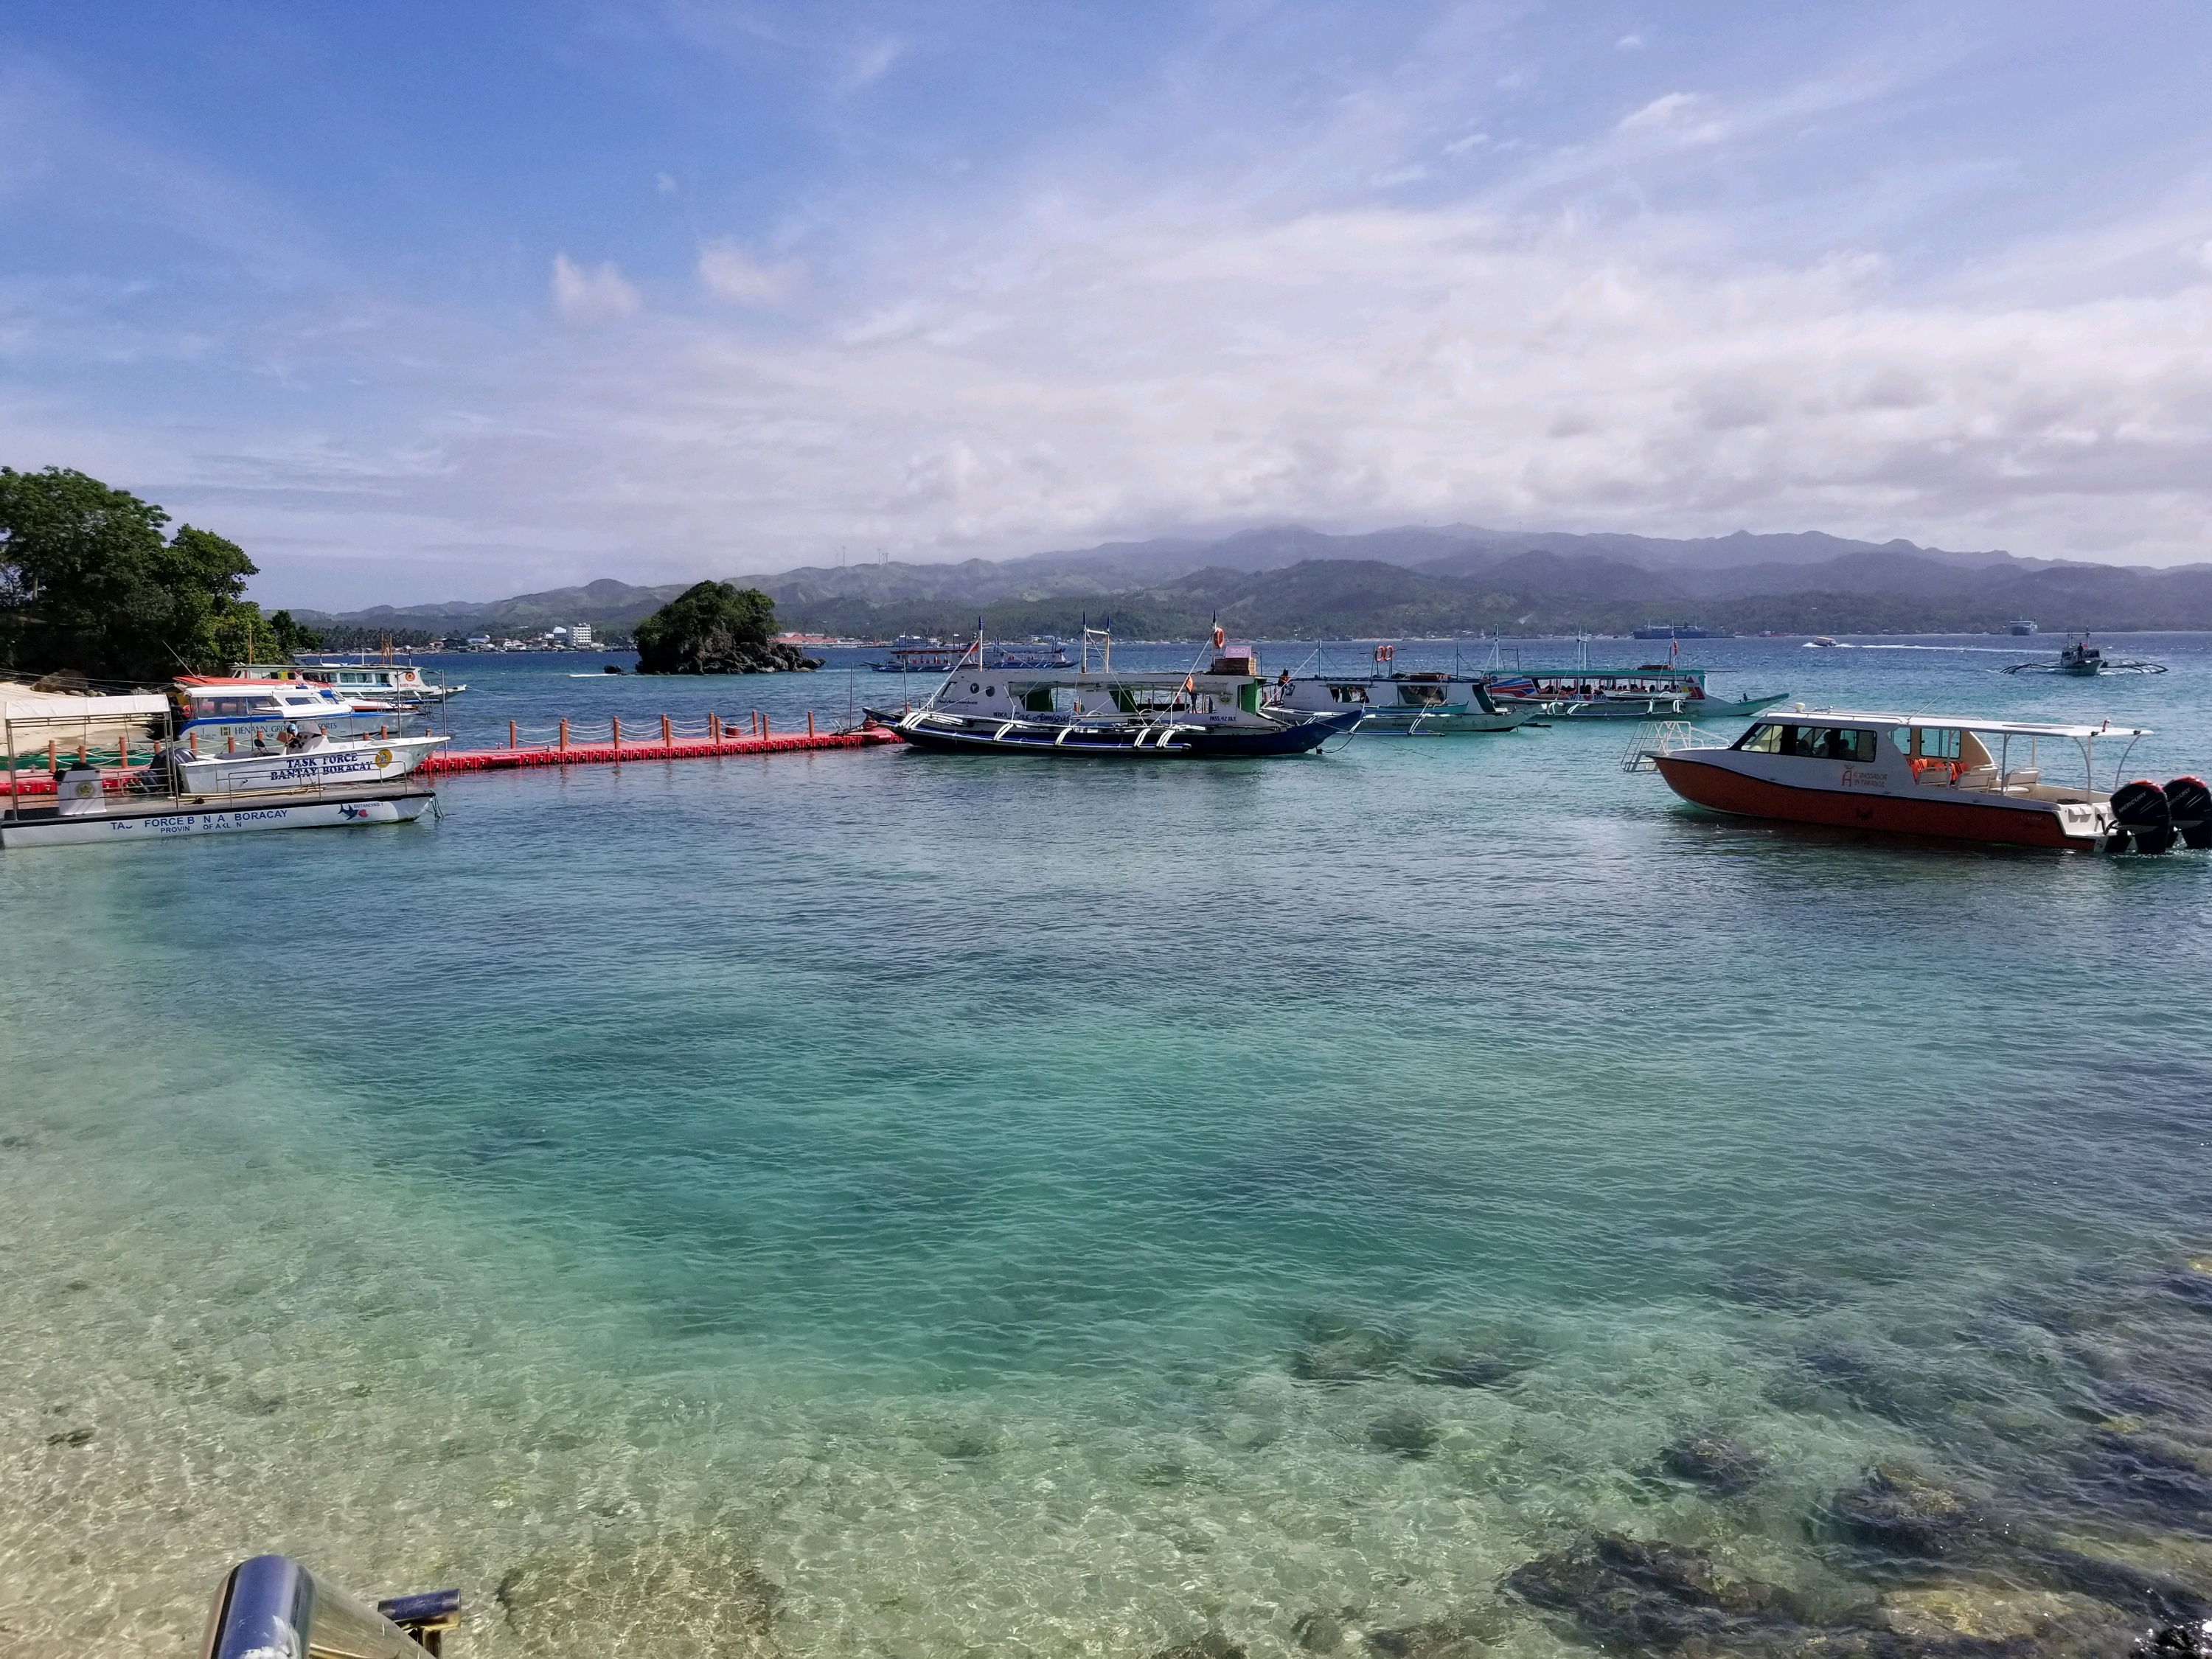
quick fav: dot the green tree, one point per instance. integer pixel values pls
(712, 627)
(87, 582)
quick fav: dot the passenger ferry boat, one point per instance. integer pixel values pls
(1223, 712)
(1652, 692)
(216, 715)
(364, 677)
(1411, 705)
(2021, 782)
(913, 656)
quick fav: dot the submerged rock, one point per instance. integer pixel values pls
(689, 1593)
(1782, 1289)
(1711, 1461)
(1320, 1631)
(1212, 1644)
(1468, 1370)
(1407, 1433)
(2134, 1591)
(1894, 1512)
(1645, 1596)
(2192, 1641)
(1456, 1636)
(1335, 1350)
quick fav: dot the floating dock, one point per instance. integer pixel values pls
(612, 753)
(565, 751)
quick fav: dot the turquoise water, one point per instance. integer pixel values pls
(874, 1203)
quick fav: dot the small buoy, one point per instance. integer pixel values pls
(2142, 809)
(2190, 804)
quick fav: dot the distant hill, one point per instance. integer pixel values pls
(1287, 581)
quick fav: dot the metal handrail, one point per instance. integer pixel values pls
(273, 1607)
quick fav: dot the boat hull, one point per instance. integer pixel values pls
(1724, 790)
(1108, 740)
(379, 761)
(1413, 722)
(172, 819)
(1641, 708)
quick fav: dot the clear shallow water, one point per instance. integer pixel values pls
(879, 1203)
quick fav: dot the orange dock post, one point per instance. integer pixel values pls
(618, 726)
(82, 757)
(810, 722)
(230, 743)
(664, 732)
(564, 734)
(192, 742)
(510, 734)
(714, 726)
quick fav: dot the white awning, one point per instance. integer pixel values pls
(39, 706)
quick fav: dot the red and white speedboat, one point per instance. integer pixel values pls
(1951, 775)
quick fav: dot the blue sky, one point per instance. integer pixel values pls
(430, 302)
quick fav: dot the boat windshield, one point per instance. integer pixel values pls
(1843, 743)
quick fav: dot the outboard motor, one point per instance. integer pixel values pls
(2142, 811)
(2190, 804)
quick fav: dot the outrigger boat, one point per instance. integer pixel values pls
(1409, 705)
(98, 794)
(1947, 775)
(1221, 712)
(1649, 692)
(2084, 661)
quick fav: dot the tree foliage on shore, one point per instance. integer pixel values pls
(715, 628)
(89, 582)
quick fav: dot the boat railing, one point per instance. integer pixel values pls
(274, 1607)
(1657, 738)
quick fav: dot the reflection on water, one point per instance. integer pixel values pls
(1438, 1198)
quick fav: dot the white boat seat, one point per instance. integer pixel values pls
(1978, 777)
(1935, 777)
(2023, 777)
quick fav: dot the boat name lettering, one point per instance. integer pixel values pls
(1854, 778)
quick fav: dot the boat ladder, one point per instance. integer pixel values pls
(1654, 738)
(272, 1605)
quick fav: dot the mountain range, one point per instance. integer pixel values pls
(1288, 581)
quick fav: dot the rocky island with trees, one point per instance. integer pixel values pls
(716, 628)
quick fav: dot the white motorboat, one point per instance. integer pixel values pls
(311, 759)
(364, 677)
(99, 795)
(2028, 783)
(224, 715)
(1407, 705)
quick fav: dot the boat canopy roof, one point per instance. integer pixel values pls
(1946, 722)
(46, 706)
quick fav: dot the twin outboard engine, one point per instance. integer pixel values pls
(2190, 804)
(2151, 819)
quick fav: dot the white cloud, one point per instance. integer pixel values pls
(1629, 43)
(665, 182)
(873, 63)
(601, 295)
(1685, 117)
(1472, 142)
(728, 272)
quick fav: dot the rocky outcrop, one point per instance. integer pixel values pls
(714, 627)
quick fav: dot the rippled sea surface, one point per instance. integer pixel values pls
(885, 1204)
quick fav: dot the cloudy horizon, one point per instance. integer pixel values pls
(420, 307)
